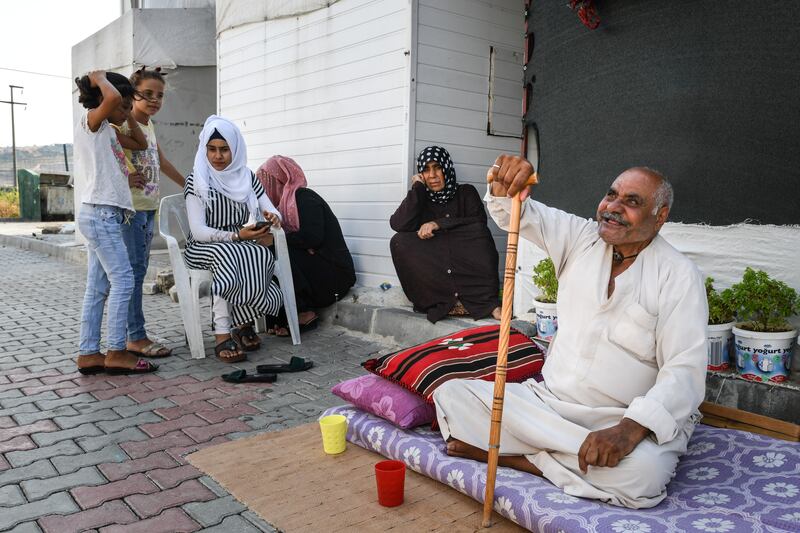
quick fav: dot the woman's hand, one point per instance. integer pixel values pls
(136, 180)
(427, 229)
(417, 178)
(250, 233)
(266, 240)
(272, 218)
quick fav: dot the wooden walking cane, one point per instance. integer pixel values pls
(502, 352)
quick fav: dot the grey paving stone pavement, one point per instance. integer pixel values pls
(99, 419)
(27, 527)
(233, 524)
(59, 503)
(36, 489)
(10, 496)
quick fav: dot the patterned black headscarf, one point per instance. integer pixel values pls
(440, 155)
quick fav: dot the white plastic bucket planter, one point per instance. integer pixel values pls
(719, 342)
(763, 356)
(546, 320)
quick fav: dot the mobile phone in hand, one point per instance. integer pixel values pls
(262, 223)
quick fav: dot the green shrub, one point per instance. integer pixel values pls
(720, 305)
(544, 277)
(9, 203)
(762, 303)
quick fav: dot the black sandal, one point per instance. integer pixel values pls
(229, 345)
(240, 376)
(296, 364)
(247, 338)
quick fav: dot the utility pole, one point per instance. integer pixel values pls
(13, 133)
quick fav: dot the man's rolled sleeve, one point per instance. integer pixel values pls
(652, 415)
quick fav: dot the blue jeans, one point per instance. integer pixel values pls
(138, 235)
(109, 277)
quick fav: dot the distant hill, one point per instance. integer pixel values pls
(36, 158)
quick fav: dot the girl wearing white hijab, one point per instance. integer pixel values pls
(223, 201)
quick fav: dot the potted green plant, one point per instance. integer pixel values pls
(764, 337)
(721, 314)
(544, 277)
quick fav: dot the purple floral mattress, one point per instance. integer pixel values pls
(728, 481)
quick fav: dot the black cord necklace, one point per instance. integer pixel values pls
(618, 258)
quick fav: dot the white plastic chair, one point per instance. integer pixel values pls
(173, 225)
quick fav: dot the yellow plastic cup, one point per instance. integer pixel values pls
(334, 430)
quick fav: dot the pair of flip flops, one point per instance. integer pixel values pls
(267, 373)
(241, 376)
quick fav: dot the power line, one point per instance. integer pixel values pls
(36, 73)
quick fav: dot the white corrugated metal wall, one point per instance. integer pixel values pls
(452, 86)
(336, 90)
(329, 89)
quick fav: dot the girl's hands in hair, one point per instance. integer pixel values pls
(272, 218)
(110, 102)
(96, 75)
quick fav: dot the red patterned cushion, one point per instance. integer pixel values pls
(470, 354)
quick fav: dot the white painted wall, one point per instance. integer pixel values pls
(182, 41)
(452, 84)
(330, 89)
(722, 252)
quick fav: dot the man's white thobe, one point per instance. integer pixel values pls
(640, 354)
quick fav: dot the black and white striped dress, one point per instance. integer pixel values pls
(242, 270)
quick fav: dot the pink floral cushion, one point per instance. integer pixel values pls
(383, 398)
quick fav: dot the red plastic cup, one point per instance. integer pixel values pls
(390, 477)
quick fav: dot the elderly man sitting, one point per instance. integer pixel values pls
(625, 374)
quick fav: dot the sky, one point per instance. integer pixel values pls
(37, 36)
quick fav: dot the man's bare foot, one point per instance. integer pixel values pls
(457, 448)
(497, 313)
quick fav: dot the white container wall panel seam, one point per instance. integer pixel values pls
(327, 89)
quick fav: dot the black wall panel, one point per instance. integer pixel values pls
(706, 91)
